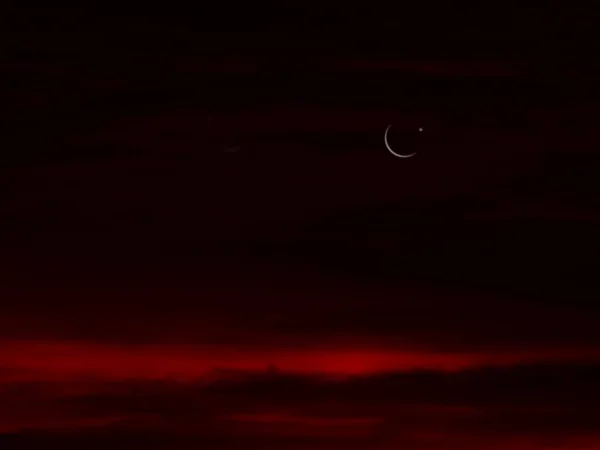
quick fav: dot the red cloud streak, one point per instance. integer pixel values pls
(58, 359)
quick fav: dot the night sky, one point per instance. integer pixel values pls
(205, 244)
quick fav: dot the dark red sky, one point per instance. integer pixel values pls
(205, 244)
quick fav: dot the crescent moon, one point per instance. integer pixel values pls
(390, 148)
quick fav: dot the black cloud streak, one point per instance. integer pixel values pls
(521, 385)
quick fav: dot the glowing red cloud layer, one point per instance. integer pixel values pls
(67, 359)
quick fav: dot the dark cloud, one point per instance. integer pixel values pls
(539, 385)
